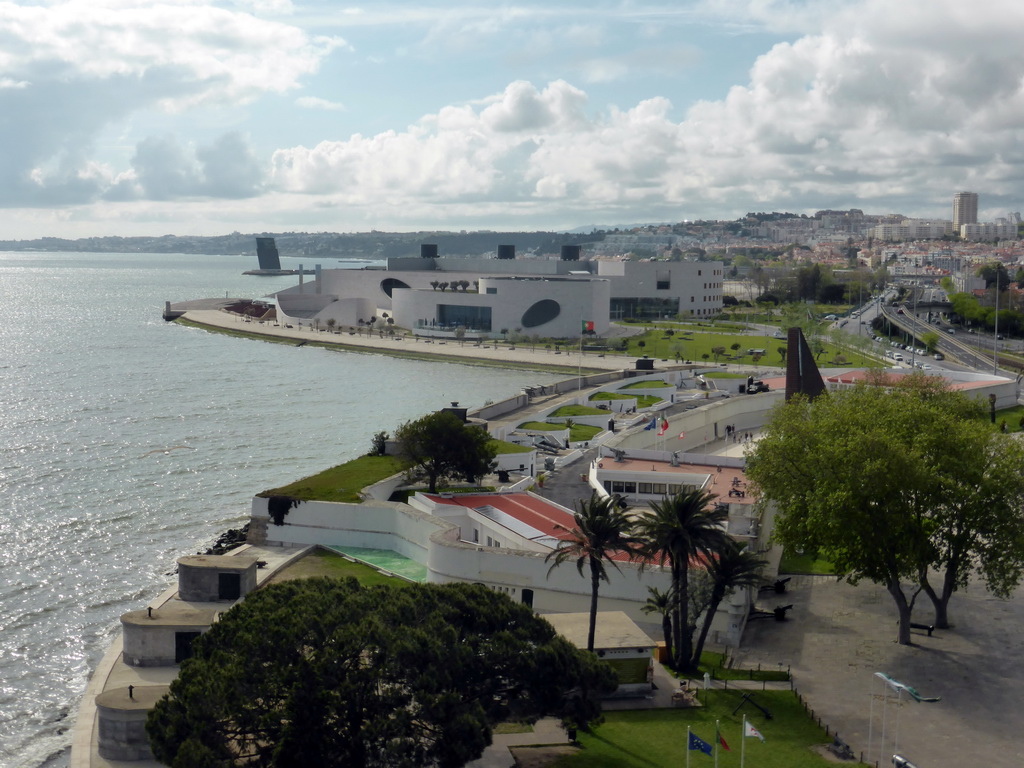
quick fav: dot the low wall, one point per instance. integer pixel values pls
(514, 403)
(706, 423)
(382, 491)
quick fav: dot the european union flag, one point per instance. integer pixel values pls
(652, 425)
(697, 743)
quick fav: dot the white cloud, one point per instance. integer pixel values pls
(70, 69)
(315, 102)
(848, 114)
(861, 106)
(165, 169)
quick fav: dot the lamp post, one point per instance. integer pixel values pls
(992, 406)
(995, 337)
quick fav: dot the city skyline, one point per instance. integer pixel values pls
(199, 117)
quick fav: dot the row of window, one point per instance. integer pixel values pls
(491, 542)
(650, 489)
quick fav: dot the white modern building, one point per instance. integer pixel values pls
(551, 298)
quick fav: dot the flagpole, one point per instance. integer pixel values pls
(885, 701)
(718, 740)
(687, 746)
(743, 741)
(899, 706)
(871, 721)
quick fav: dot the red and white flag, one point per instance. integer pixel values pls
(664, 427)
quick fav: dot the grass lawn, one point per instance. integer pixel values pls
(808, 562)
(538, 426)
(322, 562)
(657, 737)
(505, 447)
(577, 432)
(642, 401)
(583, 432)
(1012, 417)
(718, 335)
(577, 410)
(646, 385)
(711, 663)
(343, 483)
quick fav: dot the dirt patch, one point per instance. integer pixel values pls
(540, 757)
(823, 751)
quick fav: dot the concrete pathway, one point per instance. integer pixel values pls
(839, 635)
(569, 359)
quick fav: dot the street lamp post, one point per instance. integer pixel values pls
(995, 337)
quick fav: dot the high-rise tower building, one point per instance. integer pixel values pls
(965, 209)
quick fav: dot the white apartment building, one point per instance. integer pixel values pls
(912, 229)
(989, 231)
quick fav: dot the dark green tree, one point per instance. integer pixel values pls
(893, 482)
(327, 673)
(976, 522)
(442, 446)
(601, 532)
(732, 567)
(681, 531)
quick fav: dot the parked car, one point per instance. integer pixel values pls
(939, 356)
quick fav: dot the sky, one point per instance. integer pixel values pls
(199, 117)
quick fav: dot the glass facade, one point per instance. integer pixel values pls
(643, 309)
(470, 318)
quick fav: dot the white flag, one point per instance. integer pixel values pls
(750, 730)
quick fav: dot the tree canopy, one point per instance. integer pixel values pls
(891, 480)
(325, 672)
(442, 446)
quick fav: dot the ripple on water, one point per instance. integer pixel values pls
(92, 383)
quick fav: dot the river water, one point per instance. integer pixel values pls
(127, 442)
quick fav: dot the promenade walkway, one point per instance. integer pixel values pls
(522, 356)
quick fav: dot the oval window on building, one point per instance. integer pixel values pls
(390, 284)
(544, 311)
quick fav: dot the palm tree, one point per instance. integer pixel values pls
(661, 602)
(733, 568)
(681, 528)
(601, 531)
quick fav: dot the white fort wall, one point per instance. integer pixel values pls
(436, 543)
